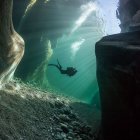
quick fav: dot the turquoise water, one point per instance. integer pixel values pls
(66, 31)
(76, 50)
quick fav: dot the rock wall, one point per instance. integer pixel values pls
(11, 43)
(128, 13)
(118, 67)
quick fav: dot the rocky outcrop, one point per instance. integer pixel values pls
(11, 44)
(118, 73)
(128, 13)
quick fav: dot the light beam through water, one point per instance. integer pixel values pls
(86, 9)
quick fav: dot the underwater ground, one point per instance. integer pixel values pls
(29, 113)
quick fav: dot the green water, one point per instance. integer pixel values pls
(67, 33)
(76, 50)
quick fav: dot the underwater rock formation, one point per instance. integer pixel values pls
(11, 44)
(118, 73)
(128, 13)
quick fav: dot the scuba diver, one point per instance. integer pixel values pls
(70, 71)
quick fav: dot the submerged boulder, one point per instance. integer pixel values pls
(118, 74)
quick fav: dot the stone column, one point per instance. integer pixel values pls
(11, 44)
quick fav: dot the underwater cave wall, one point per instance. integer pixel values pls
(128, 13)
(11, 43)
(118, 67)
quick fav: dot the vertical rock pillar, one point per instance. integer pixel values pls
(118, 74)
(11, 44)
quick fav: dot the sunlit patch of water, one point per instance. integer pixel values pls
(86, 9)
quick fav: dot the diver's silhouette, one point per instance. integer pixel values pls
(70, 71)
